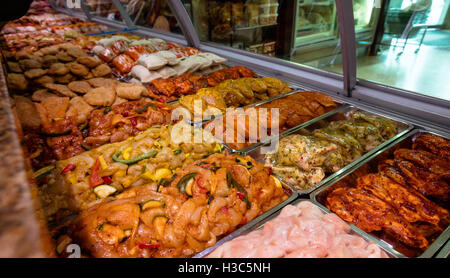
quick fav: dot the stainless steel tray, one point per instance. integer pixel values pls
(437, 243)
(341, 112)
(445, 251)
(248, 226)
(259, 225)
(307, 123)
(199, 123)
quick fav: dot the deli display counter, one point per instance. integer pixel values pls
(100, 162)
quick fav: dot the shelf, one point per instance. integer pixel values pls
(253, 27)
(313, 27)
(321, 3)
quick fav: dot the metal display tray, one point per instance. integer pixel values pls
(248, 226)
(307, 123)
(438, 242)
(294, 87)
(445, 251)
(338, 114)
(246, 230)
(261, 102)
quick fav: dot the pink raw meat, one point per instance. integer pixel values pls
(301, 231)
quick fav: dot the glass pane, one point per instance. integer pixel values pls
(104, 8)
(152, 14)
(301, 31)
(410, 49)
(316, 20)
(363, 14)
(317, 41)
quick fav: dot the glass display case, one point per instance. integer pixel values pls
(303, 37)
(250, 25)
(332, 47)
(153, 14)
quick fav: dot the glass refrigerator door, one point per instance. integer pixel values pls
(315, 21)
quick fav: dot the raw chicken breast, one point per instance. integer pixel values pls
(301, 231)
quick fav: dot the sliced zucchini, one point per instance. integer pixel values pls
(189, 186)
(152, 204)
(126, 234)
(160, 222)
(44, 171)
(103, 191)
(184, 181)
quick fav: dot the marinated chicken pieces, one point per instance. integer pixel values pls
(370, 213)
(433, 144)
(202, 203)
(291, 111)
(235, 93)
(304, 160)
(187, 84)
(400, 199)
(66, 137)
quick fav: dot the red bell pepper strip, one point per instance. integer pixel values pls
(144, 245)
(68, 168)
(199, 182)
(107, 180)
(244, 220)
(206, 165)
(95, 179)
(240, 195)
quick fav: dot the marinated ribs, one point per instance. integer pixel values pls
(434, 144)
(412, 205)
(370, 213)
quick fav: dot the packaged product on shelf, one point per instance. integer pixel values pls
(252, 13)
(238, 14)
(264, 19)
(273, 18)
(274, 8)
(269, 47)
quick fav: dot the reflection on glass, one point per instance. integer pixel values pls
(300, 31)
(316, 20)
(153, 14)
(363, 13)
(104, 8)
(250, 25)
(411, 48)
(317, 42)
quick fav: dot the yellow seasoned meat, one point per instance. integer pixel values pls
(172, 147)
(203, 202)
(304, 152)
(302, 161)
